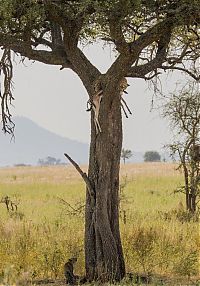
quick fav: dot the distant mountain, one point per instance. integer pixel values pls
(33, 142)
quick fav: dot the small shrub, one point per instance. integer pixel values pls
(144, 246)
(180, 215)
(17, 215)
(8, 276)
(188, 264)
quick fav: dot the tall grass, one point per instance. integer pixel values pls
(157, 235)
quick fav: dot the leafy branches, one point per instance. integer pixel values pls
(148, 36)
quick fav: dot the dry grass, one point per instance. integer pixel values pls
(66, 174)
(156, 232)
(150, 169)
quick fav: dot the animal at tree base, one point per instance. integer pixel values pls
(71, 279)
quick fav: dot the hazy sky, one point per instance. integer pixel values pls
(57, 100)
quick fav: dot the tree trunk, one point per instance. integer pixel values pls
(187, 189)
(103, 249)
(187, 197)
(192, 203)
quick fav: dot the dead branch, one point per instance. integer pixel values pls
(83, 175)
(6, 96)
(72, 210)
(197, 78)
(10, 205)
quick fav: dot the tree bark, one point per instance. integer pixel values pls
(192, 203)
(187, 199)
(103, 250)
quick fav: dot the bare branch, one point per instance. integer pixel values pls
(83, 175)
(6, 95)
(72, 210)
(197, 78)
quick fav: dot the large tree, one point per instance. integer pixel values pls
(148, 36)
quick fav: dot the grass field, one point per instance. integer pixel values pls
(48, 227)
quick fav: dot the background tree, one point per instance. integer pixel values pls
(49, 161)
(148, 37)
(183, 112)
(152, 156)
(126, 154)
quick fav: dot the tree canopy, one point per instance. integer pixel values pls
(147, 36)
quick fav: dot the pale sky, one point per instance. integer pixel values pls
(56, 100)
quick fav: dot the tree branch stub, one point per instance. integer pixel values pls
(83, 175)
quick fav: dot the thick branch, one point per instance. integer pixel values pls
(56, 35)
(117, 36)
(142, 70)
(23, 48)
(174, 18)
(124, 62)
(71, 29)
(87, 72)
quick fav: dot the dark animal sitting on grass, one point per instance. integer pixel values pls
(71, 279)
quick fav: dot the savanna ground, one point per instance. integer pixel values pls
(158, 236)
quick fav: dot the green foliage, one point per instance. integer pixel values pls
(19, 17)
(51, 31)
(187, 264)
(144, 246)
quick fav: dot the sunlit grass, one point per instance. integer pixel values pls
(46, 234)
